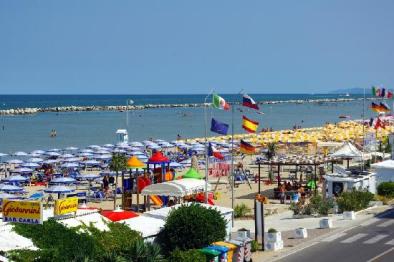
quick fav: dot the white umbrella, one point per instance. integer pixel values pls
(23, 170)
(175, 165)
(35, 160)
(15, 161)
(136, 144)
(108, 145)
(73, 159)
(55, 154)
(86, 154)
(91, 162)
(67, 156)
(88, 176)
(54, 150)
(31, 165)
(51, 161)
(71, 148)
(137, 153)
(37, 152)
(59, 189)
(102, 152)
(117, 150)
(10, 188)
(20, 153)
(87, 151)
(94, 146)
(16, 178)
(70, 165)
(103, 157)
(63, 180)
(8, 196)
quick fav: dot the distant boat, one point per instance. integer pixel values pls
(347, 94)
(343, 116)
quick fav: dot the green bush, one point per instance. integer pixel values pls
(192, 227)
(241, 210)
(272, 230)
(254, 246)
(192, 255)
(85, 243)
(316, 205)
(386, 189)
(354, 200)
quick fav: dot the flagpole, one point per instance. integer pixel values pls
(206, 147)
(362, 155)
(232, 162)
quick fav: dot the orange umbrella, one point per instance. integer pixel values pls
(134, 162)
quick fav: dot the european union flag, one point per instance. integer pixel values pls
(219, 127)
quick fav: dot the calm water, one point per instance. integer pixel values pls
(81, 129)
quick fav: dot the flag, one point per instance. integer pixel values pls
(375, 107)
(212, 151)
(382, 92)
(385, 108)
(374, 90)
(380, 108)
(249, 102)
(389, 94)
(219, 102)
(249, 125)
(219, 127)
(246, 148)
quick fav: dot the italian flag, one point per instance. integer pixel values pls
(219, 102)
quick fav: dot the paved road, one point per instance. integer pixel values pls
(372, 240)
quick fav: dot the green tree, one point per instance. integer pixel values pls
(192, 227)
(118, 164)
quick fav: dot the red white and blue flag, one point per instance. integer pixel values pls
(212, 151)
(249, 102)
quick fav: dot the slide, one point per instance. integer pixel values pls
(156, 200)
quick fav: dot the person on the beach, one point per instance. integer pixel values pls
(282, 194)
(105, 185)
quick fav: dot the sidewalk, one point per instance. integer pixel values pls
(286, 224)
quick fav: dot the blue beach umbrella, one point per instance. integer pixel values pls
(23, 170)
(63, 180)
(10, 188)
(70, 165)
(88, 176)
(16, 178)
(30, 165)
(15, 161)
(59, 190)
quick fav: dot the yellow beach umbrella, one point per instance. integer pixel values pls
(134, 162)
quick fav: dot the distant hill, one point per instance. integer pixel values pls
(354, 91)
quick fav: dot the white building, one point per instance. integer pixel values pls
(384, 171)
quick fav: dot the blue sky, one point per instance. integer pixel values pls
(158, 47)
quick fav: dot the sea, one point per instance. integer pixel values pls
(31, 132)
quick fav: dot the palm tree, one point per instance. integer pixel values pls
(269, 154)
(118, 164)
(145, 252)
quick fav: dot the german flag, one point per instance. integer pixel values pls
(249, 125)
(247, 148)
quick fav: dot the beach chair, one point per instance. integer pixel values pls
(36, 196)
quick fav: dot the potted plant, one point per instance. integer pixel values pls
(273, 235)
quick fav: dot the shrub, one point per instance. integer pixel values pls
(192, 227)
(316, 206)
(192, 255)
(241, 210)
(354, 200)
(254, 246)
(386, 189)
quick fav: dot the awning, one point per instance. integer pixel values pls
(176, 188)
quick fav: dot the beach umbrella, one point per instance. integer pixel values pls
(55, 154)
(87, 151)
(37, 152)
(70, 165)
(51, 161)
(35, 160)
(20, 153)
(102, 152)
(16, 178)
(22, 170)
(53, 150)
(108, 145)
(59, 189)
(86, 154)
(118, 214)
(10, 188)
(136, 144)
(71, 148)
(158, 158)
(63, 180)
(117, 150)
(73, 159)
(134, 162)
(30, 165)
(88, 176)
(8, 196)
(137, 153)
(94, 146)
(193, 173)
(104, 157)
(15, 161)
(67, 156)
(91, 162)
(175, 165)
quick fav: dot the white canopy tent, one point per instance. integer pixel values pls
(176, 188)
(148, 226)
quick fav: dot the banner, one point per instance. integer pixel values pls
(66, 205)
(26, 212)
